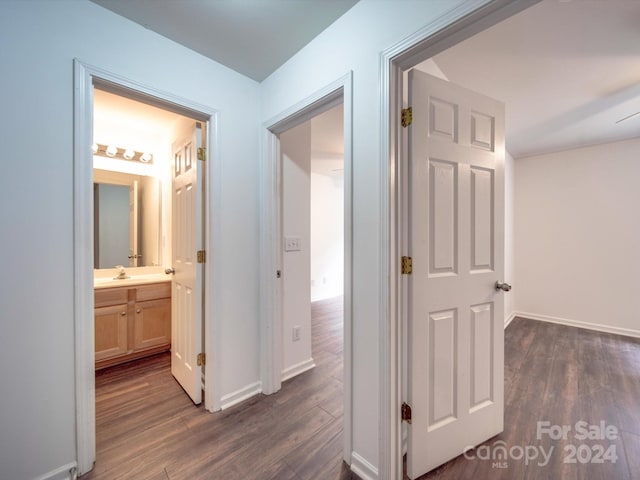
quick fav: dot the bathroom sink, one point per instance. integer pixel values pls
(109, 282)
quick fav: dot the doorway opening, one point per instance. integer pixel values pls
(148, 297)
(145, 244)
(132, 226)
(306, 231)
(312, 232)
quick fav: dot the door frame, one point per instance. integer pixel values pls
(468, 19)
(271, 294)
(85, 77)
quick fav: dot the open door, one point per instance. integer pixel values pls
(455, 313)
(186, 298)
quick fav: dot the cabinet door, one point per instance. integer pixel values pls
(111, 331)
(152, 326)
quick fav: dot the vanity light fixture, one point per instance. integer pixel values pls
(112, 151)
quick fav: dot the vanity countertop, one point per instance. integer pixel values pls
(102, 281)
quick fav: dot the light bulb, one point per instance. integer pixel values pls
(111, 151)
(146, 157)
(128, 154)
(94, 148)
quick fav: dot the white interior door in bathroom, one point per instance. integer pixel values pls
(187, 305)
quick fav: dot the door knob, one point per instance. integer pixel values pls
(505, 287)
(170, 271)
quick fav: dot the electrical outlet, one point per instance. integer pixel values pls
(292, 244)
(296, 333)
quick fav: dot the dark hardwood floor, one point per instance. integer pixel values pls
(563, 375)
(147, 427)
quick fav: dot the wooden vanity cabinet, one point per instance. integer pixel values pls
(131, 322)
(111, 324)
(152, 321)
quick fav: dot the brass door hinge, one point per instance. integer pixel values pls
(202, 359)
(202, 256)
(406, 265)
(406, 117)
(202, 153)
(405, 412)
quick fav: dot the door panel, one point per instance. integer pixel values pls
(442, 352)
(482, 228)
(152, 325)
(455, 315)
(111, 325)
(186, 317)
(443, 215)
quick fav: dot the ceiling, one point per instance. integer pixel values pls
(253, 37)
(127, 123)
(131, 114)
(566, 70)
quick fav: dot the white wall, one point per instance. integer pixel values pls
(354, 42)
(509, 247)
(151, 217)
(327, 234)
(39, 41)
(295, 145)
(577, 235)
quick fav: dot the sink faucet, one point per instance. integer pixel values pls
(121, 272)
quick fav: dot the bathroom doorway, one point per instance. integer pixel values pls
(148, 326)
(155, 145)
(141, 153)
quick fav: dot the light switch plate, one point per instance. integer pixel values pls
(292, 244)
(296, 333)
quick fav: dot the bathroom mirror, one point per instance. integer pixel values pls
(127, 220)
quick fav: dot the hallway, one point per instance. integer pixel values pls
(147, 428)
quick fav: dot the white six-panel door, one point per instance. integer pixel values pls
(186, 297)
(455, 314)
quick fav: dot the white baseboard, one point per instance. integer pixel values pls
(238, 396)
(297, 369)
(576, 323)
(362, 468)
(509, 319)
(65, 472)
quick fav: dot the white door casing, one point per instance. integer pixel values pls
(85, 77)
(186, 296)
(456, 224)
(339, 91)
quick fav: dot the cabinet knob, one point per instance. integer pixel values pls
(138, 310)
(123, 313)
